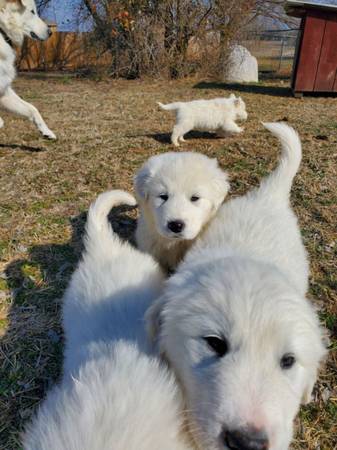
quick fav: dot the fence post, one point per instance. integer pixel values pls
(281, 55)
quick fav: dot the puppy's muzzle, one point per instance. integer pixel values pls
(245, 439)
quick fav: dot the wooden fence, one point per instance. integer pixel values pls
(62, 51)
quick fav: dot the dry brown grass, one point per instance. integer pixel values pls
(106, 130)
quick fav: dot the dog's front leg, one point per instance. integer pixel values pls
(14, 104)
(229, 126)
(2, 123)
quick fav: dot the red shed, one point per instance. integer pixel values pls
(315, 64)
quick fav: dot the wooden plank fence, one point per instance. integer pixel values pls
(62, 51)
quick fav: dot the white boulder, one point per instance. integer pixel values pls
(241, 66)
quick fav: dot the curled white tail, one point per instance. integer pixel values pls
(169, 106)
(98, 230)
(280, 181)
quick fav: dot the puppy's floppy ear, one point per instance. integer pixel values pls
(141, 182)
(237, 102)
(153, 318)
(232, 96)
(307, 393)
(220, 184)
(318, 353)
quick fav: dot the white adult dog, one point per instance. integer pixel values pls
(19, 18)
(218, 114)
(114, 396)
(178, 194)
(234, 322)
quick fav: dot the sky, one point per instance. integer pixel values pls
(64, 13)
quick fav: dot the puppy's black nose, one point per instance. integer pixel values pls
(246, 439)
(176, 226)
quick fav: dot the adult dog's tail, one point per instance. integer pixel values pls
(99, 234)
(280, 180)
(169, 106)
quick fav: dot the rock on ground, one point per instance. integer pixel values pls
(241, 66)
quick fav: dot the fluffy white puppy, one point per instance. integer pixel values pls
(218, 114)
(178, 194)
(19, 18)
(234, 322)
(114, 396)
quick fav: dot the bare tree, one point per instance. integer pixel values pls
(182, 20)
(154, 37)
(112, 25)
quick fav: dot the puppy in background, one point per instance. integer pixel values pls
(178, 194)
(218, 114)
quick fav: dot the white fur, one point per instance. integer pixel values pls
(114, 395)
(245, 281)
(180, 176)
(19, 19)
(218, 114)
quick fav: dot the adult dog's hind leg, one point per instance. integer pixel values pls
(13, 103)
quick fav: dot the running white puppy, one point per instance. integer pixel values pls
(178, 194)
(19, 18)
(218, 114)
(234, 322)
(114, 396)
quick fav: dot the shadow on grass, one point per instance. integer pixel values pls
(25, 148)
(32, 347)
(165, 138)
(162, 138)
(276, 91)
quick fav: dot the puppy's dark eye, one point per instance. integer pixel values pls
(195, 198)
(32, 11)
(164, 197)
(287, 361)
(219, 345)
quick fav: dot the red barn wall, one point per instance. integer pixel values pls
(316, 67)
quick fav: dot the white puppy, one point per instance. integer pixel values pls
(234, 322)
(18, 18)
(178, 194)
(114, 396)
(218, 114)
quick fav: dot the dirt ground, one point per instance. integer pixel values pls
(105, 131)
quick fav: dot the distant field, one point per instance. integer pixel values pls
(106, 131)
(273, 56)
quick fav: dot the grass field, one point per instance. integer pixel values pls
(106, 130)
